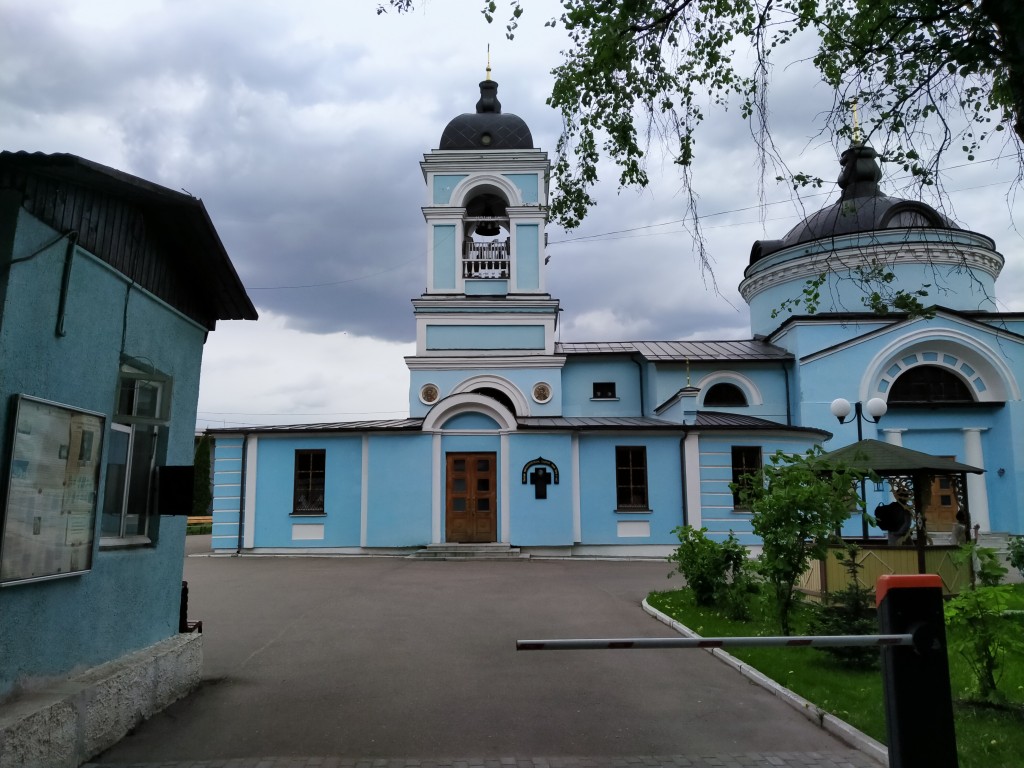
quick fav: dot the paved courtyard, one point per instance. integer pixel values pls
(394, 663)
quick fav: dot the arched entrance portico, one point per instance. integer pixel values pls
(471, 473)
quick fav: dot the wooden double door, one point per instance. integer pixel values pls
(471, 508)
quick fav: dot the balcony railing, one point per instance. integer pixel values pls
(485, 260)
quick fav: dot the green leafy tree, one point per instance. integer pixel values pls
(927, 76)
(798, 504)
(201, 492)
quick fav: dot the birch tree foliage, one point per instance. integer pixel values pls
(928, 76)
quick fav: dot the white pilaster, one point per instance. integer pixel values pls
(249, 524)
(577, 512)
(435, 491)
(977, 489)
(894, 436)
(691, 460)
(364, 493)
(505, 507)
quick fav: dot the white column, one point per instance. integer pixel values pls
(894, 436)
(977, 488)
(435, 490)
(364, 493)
(506, 491)
(577, 512)
(691, 458)
(249, 530)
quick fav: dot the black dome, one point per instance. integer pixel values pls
(487, 128)
(862, 207)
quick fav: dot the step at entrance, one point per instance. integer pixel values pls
(450, 551)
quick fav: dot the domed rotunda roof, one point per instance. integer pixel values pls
(862, 207)
(487, 128)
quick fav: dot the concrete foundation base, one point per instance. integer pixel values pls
(67, 723)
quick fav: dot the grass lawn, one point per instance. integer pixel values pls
(986, 737)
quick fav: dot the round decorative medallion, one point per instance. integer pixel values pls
(429, 393)
(541, 392)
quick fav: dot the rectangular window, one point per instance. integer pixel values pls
(631, 477)
(604, 390)
(141, 412)
(310, 474)
(746, 463)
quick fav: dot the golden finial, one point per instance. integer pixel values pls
(488, 61)
(857, 137)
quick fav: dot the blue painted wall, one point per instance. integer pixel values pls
(528, 185)
(598, 495)
(541, 522)
(275, 487)
(227, 480)
(443, 186)
(527, 257)
(130, 598)
(444, 257)
(578, 379)
(400, 490)
(455, 337)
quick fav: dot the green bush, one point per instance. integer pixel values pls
(1017, 553)
(716, 572)
(983, 632)
(850, 611)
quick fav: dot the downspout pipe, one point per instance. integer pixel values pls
(789, 409)
(65, 283)
(241, 494)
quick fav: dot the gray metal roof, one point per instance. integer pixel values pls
(596, 422)
(681, 351)
(381, 425)
(706, 420)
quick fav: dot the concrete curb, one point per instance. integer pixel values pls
(830, 723)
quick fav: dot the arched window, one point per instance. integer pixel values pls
(928, 384)
(498, 395)
(724, 395)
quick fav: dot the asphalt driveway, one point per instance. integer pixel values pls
(380, 657)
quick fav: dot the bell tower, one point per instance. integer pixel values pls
(486, 304)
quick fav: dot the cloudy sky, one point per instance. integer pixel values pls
(301, 125)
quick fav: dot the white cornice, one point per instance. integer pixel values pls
(803, 267)
(449, 363)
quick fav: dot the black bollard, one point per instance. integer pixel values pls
(183, 608)
(918, 697)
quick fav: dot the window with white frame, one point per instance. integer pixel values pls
(137, 433)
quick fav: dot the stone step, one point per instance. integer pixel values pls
(468, 552)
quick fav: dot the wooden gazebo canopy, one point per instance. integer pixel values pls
(895, 461)
(890, 460)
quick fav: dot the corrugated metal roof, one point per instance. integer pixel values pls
(742, 349)
(595, 348)
(719, 420)
(680, 351)
(381, 425)
(595, 422)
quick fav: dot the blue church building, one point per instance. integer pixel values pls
(603, 448)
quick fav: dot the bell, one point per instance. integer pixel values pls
(488, 228)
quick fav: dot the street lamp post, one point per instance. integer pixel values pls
(872, 412)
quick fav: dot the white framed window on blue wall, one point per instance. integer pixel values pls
(137, 436)
(310, 482)
(49, 515)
